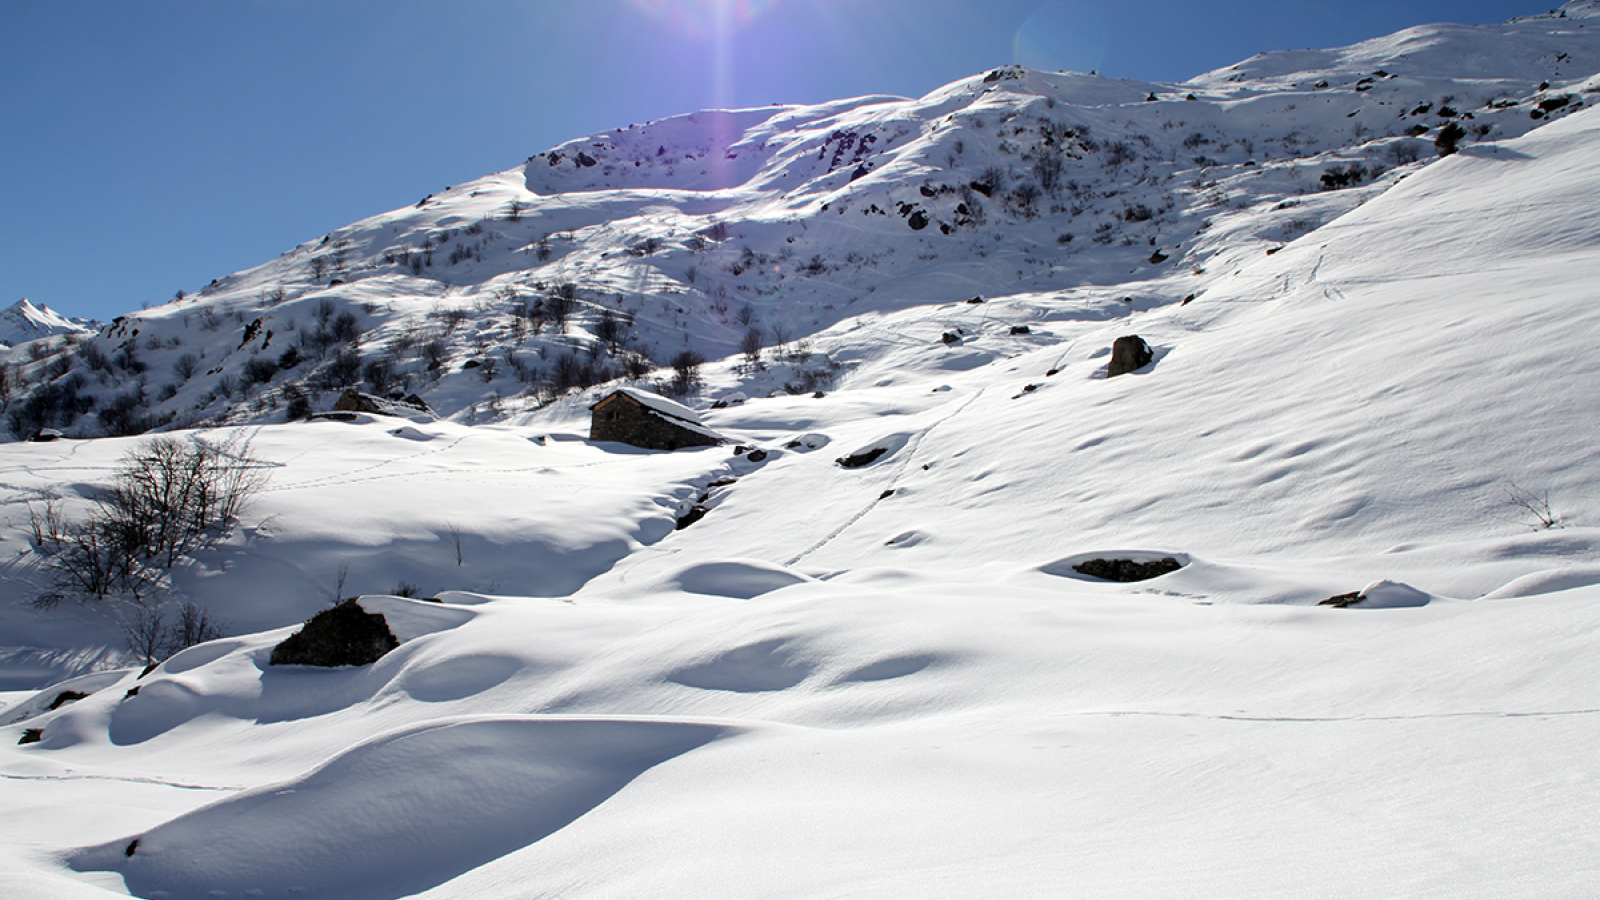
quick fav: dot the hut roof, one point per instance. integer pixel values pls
(674, 411)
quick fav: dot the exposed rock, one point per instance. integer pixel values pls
(1127, 569)
(65, 697)
(1340, 601)
(950, 337)
(864, 458)
(695, 514)
(1128, 353)
(1021, 329)
(31, 736)
(342, 635)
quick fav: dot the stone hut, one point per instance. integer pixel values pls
(651, 421)
(354, 401)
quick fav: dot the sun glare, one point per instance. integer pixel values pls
(705, 18)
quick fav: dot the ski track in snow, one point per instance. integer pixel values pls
(908, 453)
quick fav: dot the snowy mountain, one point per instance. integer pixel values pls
(22, 321)
(610, 255)
(863, 649)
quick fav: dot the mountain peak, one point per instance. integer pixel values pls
(23, 321)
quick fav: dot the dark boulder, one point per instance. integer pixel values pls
(1128, 353)
(342, 635)
(864, 458)
(695, 514)
(1127, 569)
(65, 697)
(1340, 601)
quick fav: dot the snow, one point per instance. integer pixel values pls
(663, 405)
(889, 681)
(22, 322)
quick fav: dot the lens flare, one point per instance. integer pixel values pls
(1062, 36)
(704, 18)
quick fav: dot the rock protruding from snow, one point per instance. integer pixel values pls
(1128, 354)
(1127, 569)
(343, 635)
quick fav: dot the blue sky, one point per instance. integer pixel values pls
(151, 146)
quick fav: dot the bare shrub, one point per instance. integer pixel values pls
(1529, 508)
(169, 498)
(685, 373)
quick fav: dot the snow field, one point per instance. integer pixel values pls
(889, 681)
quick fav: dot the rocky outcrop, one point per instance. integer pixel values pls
(343, 635)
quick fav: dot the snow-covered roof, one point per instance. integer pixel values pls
(659, 403)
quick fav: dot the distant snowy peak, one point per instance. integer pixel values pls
(22, 321)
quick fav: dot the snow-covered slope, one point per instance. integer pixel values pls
(888, 679)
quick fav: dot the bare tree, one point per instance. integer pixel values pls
(750, 346)
(145, 630)
(686, 372)
(194, 626)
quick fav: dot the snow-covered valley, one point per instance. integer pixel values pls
(751, 670)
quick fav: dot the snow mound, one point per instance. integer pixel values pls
(757, 668)
(1386, 594)
(1548, 581)
(741, 579)
(410, 619)
(398, 814)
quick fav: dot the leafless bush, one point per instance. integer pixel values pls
(169, 498)
(46, 525)
(1530, 508)
(150, 638)
(751, 345)
(194, 626)
(685, 373)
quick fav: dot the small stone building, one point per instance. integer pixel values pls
(651, 421)
(353, 400)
